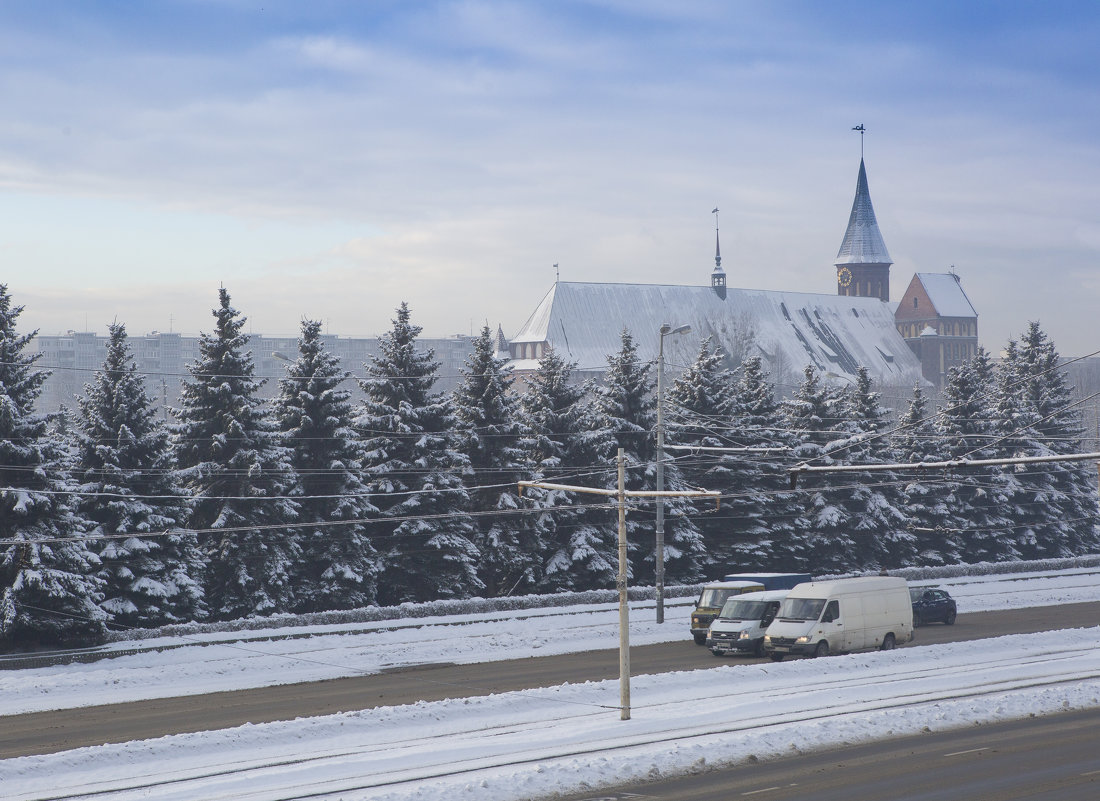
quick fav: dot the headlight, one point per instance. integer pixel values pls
(744, 635)
(802, 640)
(767, 638)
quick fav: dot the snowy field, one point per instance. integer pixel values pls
(536, 743)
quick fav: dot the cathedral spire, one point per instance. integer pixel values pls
(863, 243)
(863, 263)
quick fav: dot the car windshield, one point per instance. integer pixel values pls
(741, 609)
(916, 593)
(801, 608)
(714, 597)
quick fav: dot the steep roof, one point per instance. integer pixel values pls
(947, 295)
(863, 242)
(584, 323)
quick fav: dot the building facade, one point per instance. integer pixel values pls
(939, 323)
(73, 358)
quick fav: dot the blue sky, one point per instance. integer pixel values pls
(330, 160)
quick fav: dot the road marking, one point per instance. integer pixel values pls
(1091, 773)
(768, 789)
(960, 753)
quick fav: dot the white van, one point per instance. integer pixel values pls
(710, 603)
(739, 627)
(856, 614)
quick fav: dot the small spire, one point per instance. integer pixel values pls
(717, 243)
(862, 131)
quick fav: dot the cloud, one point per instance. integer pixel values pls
(449, 153)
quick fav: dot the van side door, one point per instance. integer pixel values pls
(832, 626)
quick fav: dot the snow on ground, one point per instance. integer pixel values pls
(535, 743)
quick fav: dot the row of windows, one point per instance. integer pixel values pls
(947, 328)
(527, 350)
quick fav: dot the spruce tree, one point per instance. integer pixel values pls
(768, 512)
(152, 569)
(232, 461)
(925, 496)
(1028, 492)
(566, 446)
(880, 530)
(338, 567)
(627, 408)
(49, 589)
(966, 423)
(491, 437)
(815, 418)
(424, 534)
(1071, 506)
(700, 411)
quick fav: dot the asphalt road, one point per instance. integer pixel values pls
(50, 732)
(1052, 758)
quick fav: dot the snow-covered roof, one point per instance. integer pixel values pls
(863, 242)
(837, 334)
(947, 295)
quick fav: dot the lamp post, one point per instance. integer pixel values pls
(666, 329)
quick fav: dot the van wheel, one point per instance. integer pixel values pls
(777, 657)
(700, 639)
(822, 649)
(889, 643)
(758, 650)
(950, 619)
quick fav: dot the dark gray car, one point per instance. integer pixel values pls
(932, 605)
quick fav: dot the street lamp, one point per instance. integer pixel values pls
(666, 329)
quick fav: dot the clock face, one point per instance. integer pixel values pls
(844, 276)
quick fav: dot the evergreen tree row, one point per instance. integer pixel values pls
(315, 501)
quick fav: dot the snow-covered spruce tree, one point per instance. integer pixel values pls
(966, 424)
(338, 568)
(151, 568)
(626, 407)
(815, 419)
(565, 446)
(763, 480)
(491, 437)
(1070, 508)
(424, 534)
(925, 496)
(232, 462)
(48, 584)
(700, 410)
(882, 534)
(1028, 492)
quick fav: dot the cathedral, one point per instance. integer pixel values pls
(912, 342)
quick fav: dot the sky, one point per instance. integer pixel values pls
(558, 739)
(331, 160)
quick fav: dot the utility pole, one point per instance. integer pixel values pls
(621, 494)
(624, 607)
(659, 555)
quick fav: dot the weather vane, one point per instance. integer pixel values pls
(862, 131)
